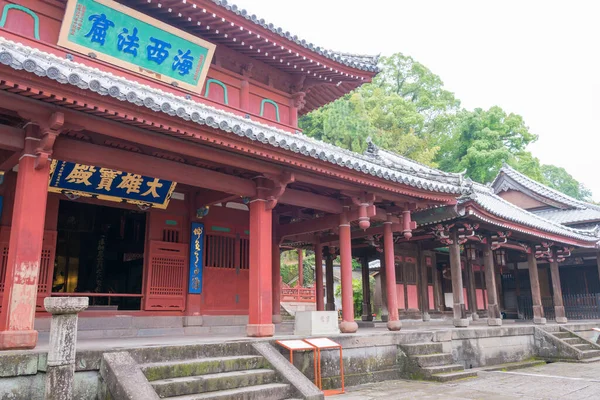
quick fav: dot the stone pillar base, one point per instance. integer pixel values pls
(461, 323)
(366, 318)
(539, 321)
(561, 320)
(260, 330)
(384, 317)
(277, 319)
(59, 382)
(348, 326)
(426, 317)
(394, 325)
(494, 322)
(330, 307)
(13, 340)
(475, 316)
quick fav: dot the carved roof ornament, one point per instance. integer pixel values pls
(442, 233)
(497, 240)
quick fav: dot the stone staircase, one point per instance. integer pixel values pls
(246, 377)
(435, 365)
(587, 350)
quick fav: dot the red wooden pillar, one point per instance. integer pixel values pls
(319, 276)
(393, 322)
(300, 267)
(24, 254)
(260, 313)
(348, 325)
(276, 277)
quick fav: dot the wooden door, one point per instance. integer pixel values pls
(166, 276)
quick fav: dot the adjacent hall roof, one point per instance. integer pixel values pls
(362, 62)
(566, 209)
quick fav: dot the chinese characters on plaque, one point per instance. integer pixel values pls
(125, 37)
(196, 258)
(109, 184)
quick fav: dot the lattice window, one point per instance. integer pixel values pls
(220, 251)
(410, 273)
(167, 276)
(399, 272)
(244, 253)
(45, 268)
(170, 235)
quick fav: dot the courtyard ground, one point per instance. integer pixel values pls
(551, 381)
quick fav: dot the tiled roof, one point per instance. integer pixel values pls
(539, 189)
(21, 57)
(399, 163)
(572, 216)
(362, 62)
(485, 197)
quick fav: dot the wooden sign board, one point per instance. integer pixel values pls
(132, 40)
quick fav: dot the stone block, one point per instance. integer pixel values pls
(494, 322)
(124, 379)
(18, 364)
(313, 323)
(442, 336)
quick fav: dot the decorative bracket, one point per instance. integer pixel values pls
(442, 233)
(363, 201)
(49, 132)
(280, 183)
(499, 239)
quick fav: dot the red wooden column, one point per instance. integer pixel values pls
(276, 275)
(348, 325)
(559, 308)
(25, 248)
(300, 267)
(260, 313)
(319, 276)
(393, 322)
(494, 318)
(536, 297)
(460, 316)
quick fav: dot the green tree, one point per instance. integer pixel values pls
(559, 179)
(482, 141)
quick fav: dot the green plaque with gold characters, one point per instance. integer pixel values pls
(127, 38)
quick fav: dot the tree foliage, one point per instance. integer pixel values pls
(406, 109)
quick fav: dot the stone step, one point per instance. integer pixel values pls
(562, 335)
(201, 366)
(442, 369)
(590, 353)
(573, 341)
(515, 365)
(589, 360)
(212, 382)
(433, 360)
(584, 347)
(272, 391)
(453, 376)
(422, 348)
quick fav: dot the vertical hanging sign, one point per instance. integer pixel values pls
(196, 258)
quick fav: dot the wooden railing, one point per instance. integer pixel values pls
(300, 294)
(577, 306)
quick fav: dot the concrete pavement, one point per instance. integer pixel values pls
(550, 381)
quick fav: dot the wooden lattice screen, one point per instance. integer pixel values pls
(46, 265)
(167, 270)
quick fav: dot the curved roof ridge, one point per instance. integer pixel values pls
(399, 162)
(509, 211)
(541, 189)
(362, 62)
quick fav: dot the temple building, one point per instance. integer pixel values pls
(152, 161)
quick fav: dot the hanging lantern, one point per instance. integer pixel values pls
(471, 252)
(500, 257)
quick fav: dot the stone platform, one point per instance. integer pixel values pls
(421, 350)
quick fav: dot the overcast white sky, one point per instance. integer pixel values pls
(539, 59)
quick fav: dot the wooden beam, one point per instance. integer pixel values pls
(85, 153)
(12, 138)
(310, 200)
(10, 162)
(319, 224)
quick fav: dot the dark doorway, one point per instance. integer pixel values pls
(100, 250)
